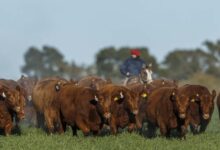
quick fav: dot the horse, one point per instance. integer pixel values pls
(145, 77)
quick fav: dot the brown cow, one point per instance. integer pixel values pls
(28, 83)
(93, 82)
(205, 104)
(5, 118)
(120, 106)
(44, 93)
(14, 96)
(78, 108)
(142, 91)
(164, 110)
(218, 104)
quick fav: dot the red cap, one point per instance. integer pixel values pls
(135, 52)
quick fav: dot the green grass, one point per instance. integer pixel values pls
(32, 138)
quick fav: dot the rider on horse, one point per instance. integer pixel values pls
(133, 65)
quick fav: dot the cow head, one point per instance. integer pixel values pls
(181, 102)
(14, 100)
(105, 103)
(207, 103)
(27, 85)
(145, 92)
(131, 100)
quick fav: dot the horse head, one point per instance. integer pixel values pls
(146, 73)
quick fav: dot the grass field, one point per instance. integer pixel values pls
(32, 139)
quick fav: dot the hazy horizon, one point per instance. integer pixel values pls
(79, 29)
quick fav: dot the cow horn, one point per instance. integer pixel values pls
(121, 95)
(3, 95)
(96, 98)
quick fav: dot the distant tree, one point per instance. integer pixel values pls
(108, 60)
(180, 64)
(48, 62)
(213, 49)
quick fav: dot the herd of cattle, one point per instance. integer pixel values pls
(93, 104)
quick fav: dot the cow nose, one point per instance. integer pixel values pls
(17, 109)
(22, 117)
(206, 116)
(107, 115)
(182, 116)
(135, 112)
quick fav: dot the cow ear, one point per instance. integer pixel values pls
(213, 94)
(3, 95)
(173, 94)
(94, 101)
(57, 87)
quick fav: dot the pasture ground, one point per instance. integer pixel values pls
(33, 138)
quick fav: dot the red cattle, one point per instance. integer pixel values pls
(218, 104)
(78, 108)
(27, 84)
(14, 96)
(142, 91)
(203, 102)
(5, 118)
(164, 109)
(120, 106)
(44, 94)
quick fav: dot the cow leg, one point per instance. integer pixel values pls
(40, 120)
(113, 125)
(74, 130)
(163, 129)
(49, 120)
(64, 125)
(8, 129)
(82, 126)
(59, 125)
(17, 128)
(193, 129)
(151, 130)
(204, 125)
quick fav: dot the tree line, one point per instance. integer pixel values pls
(178, 64)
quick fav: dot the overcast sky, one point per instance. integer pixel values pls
(79, 28)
